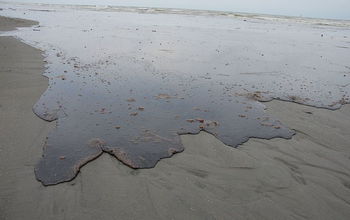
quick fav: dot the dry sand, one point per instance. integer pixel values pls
(307, 177)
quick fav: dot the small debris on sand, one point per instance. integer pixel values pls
(130, 100)
(266, 124)
(62, 77)
(163, 96)
(96, 142)
(172, 151)
(310, 113)
(212, 123)
(255, 95)
(200, 120)
(293, 98)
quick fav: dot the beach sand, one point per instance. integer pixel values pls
(307, 177)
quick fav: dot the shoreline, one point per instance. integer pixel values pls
(307, 176)
(195, 12)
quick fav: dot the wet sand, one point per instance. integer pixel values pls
(130, 88)
(307, 177)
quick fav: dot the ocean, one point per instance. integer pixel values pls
(336, 9)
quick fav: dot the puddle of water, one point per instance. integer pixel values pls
(129, 84)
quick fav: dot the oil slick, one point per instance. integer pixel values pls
(129, 84)
(136, 115)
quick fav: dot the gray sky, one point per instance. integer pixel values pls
(307, 8)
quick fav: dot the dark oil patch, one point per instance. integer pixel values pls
(96, 113)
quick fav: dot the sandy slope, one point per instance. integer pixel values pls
(307, 177)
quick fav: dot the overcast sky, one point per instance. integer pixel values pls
(307, 8)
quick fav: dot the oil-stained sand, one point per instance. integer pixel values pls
(132, 88)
